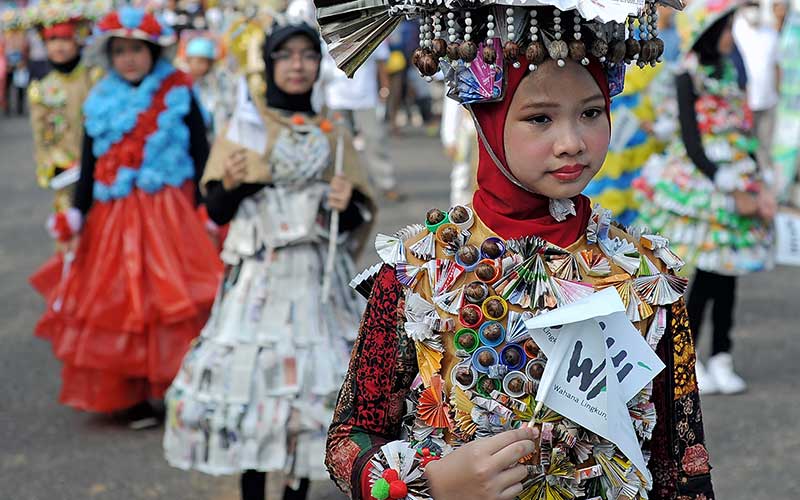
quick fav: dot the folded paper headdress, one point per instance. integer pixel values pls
(471, 41)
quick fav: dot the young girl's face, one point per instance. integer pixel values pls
(61, 50)
(131, 58)
(296, 65)
(556, 132)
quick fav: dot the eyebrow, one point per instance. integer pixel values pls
(550, 104)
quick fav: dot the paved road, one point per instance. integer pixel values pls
(49, 452)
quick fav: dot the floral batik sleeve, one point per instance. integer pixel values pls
(371, 403)
(679, 461)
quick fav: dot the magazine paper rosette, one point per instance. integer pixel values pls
(470, 41)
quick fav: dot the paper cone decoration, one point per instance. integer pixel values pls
(431, 408)
(442, 274)
(390, 249)
(429, 361)
(424, 249)
(516, 331)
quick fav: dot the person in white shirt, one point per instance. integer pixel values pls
(756, 37)
(357, 99)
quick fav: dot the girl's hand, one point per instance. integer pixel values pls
(767, 204)
(235, 170)
(340, 193)
(486, 469)
(746, 203)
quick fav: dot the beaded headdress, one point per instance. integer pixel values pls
(471, 41)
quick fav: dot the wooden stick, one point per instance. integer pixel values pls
(334, 229)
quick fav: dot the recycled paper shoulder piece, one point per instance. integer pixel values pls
(473, 41)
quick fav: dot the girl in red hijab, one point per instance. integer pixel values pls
(440, 399)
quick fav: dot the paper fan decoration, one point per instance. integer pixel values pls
(594, 263)
(442, 274)
(567, 291)
(622, 253)
(646, 267)
(622, 282)
(407, 274)
(637, 309)
(463, 406)
(409, 232)
(431, 407)
(450, 302)
(527, 246)
(354, 29)
(660, 289)
(660, 247)
(424, 249)
(517, 331)
(365, 280)
(396, 469)
(390, 249)
(429, 361)
(564, 267)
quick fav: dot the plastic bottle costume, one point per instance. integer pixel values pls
(696, 212)
(256, 391)
(142, 280)
(444, 356)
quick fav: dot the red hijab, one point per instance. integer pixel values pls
(506, 208)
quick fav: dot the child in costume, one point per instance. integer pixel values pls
(255, 394)
(439, 401)
(56, 103)
(213, 86)
(140, 276)
(707, 193)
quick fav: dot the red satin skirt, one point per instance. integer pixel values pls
(123, 313)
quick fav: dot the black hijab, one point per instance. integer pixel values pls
(276, 98)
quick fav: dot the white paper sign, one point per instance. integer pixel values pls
(787, 238)
(596, 362)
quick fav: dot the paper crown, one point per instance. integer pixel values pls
(472, 40)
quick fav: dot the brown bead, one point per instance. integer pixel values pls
(516, 385)
(453, 52)
(486, 359)
(449, 234)
(558, 49)
(468, 51)
(489, 55)
(476, 292)
(659, 44)
(511, 51)
(434, 216)
(495, 308)
(428, 64)
(470, 316)
(485, 271)
(439, 47)
(492, 332)
(536, 53)
(417, 55)
(468, 254)
(491, 249)
(649, 50)
(459, 215)
(617, 53)
(632, 49)
(464, 376)
(599, 48)
(536, 371)
(512, 357)
(487, 385)
(466, 341)
(577, 50)
(531, 348)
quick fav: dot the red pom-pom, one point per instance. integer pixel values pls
(398, 489)
(390, 475)
(110, 22)
(426, 452)
(150, 26)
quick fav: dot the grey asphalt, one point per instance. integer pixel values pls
(50, 452)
